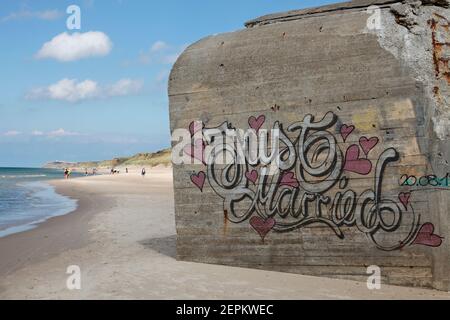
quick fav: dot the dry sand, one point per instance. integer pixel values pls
(123, 238)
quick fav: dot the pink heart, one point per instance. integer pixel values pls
(368, 144)
(354, 164)
(427, 237)
(252, 176)
(346, 130)
(256, 124)
(404, 198)
(199, 180)
(263, 227)
(195, 127)
(289, 180)
(196, 151)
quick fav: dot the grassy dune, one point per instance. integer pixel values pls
(162, 157)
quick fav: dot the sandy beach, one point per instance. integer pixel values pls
(123, 238)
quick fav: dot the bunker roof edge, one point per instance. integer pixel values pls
(342, 6)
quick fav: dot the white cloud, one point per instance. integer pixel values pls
(124, 87)
(12, 133)
(67, 90)
(70, 90)
(158, 46)
(67, 47)
(161, 53)
(28, 14)
(55, 133)
(62, 133)
(50, 134)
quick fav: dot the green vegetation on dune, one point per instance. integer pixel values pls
(162, 157)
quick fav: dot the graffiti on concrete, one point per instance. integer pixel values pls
(317, 162)
(425, 181)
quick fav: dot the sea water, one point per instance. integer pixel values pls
(27, 200)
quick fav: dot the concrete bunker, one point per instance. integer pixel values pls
(358, 92)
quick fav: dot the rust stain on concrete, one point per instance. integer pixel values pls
(439, 24)
(225, 222)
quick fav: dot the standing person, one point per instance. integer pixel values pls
(126, 170)
(69, 172)
(143, 172)
(66, 173)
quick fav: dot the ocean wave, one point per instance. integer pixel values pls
(29, 204)
(24, 176)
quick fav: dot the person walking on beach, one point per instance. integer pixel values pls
(143, 172)
(66, 173)
(126, 170)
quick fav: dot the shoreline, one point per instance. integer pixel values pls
(54, 184)
(70, 206)
(123, 238)
(22, 248)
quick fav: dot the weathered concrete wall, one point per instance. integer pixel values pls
(363, 109)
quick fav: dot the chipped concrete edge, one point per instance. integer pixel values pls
(416, 33)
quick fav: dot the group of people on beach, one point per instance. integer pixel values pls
(68, 172)
(114, 171)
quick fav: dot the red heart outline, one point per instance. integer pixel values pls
(354, 163)
(196, 151)
(427, 237)
(199, 180)
(368, 144)
(404, 198)
(262, 226)
(252, 176)
(288, 179)
(346, 130)
(256, 123)
(195, 127)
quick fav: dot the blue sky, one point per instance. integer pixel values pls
(106, 95)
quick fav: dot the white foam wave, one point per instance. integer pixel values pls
(24, 176)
